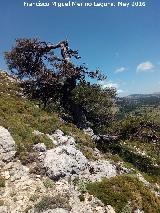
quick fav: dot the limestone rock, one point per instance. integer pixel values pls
(138, 211)
(90, 132)
(40, 147)
(7, 145)
(110, 209)
(24, 190)
(103, 166)
(19, 188)
(57, 210)
(37, 133)
(58, 138)
(3, 209)
(98, 170)
(59, 132)
(90, 204)
(64, 161)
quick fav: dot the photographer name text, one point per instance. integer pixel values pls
(85, 4)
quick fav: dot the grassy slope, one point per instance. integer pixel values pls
(21, 117)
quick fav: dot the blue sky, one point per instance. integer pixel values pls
(123, 42)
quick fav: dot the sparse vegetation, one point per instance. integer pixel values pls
(82, 186)
(81, 197)
(1, 202)
(2, 181)
(48, 183)
(34, 197)
(52, 202)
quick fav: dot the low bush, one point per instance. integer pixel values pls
(2, 181)
(52, 202)
(121, 190)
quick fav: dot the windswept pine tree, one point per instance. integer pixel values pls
(49, 78)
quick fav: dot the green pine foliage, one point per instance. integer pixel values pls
(97, 103)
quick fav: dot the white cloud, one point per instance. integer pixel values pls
(145, 67)
(110, 84)
(121, 69)
(119, 91)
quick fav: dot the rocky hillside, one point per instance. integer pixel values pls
(49, 165)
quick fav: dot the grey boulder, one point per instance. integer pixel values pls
(7, 145)
(58, 138)
(64, 161)
(40, 147)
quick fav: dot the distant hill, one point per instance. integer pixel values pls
(138, 103)
(140, 99)
(139, 96)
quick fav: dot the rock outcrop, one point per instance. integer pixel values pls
(100, 169)
(58, 138)
(64, 161)
(19, 188)
(7, 146)
(25, 192)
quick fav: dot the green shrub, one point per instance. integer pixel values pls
(81, 197)
(43, 139)
(82, 186)
(34, 197)
(97, 103)
(48, 183)
(127, 209)
(120, 190)
(2, 181)
(1, 202)
(28, 157)
(52, 202)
